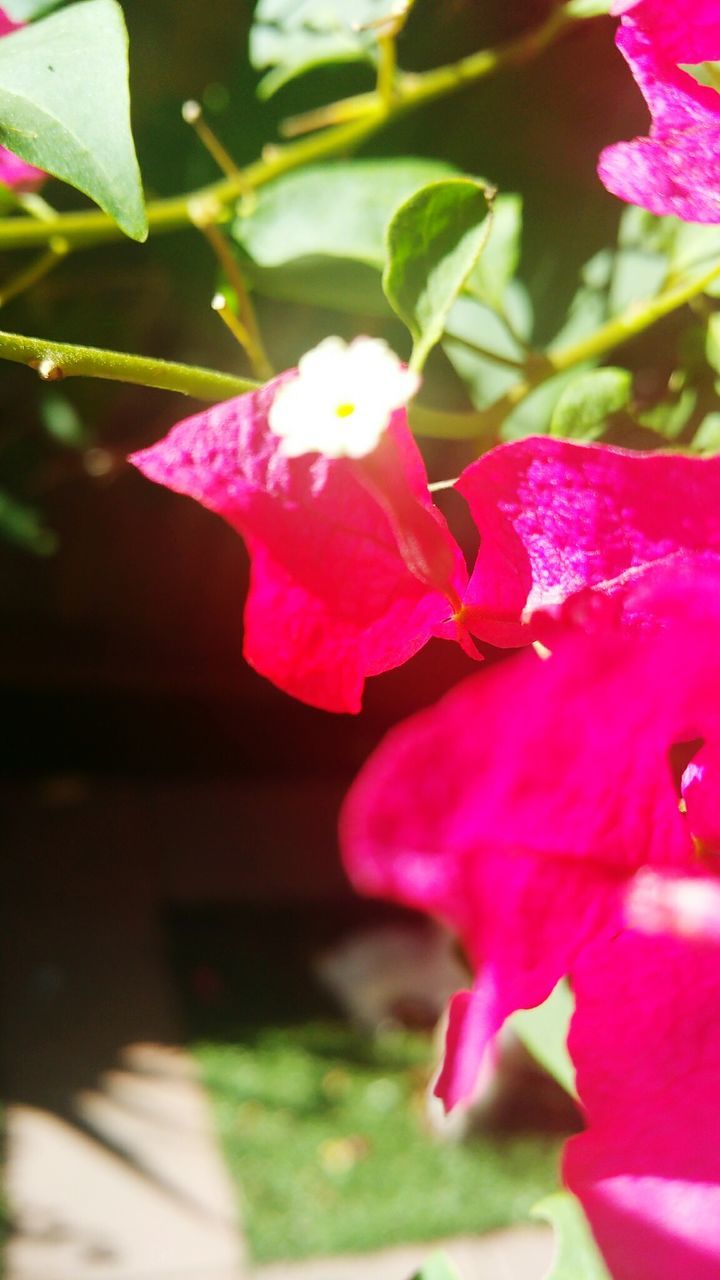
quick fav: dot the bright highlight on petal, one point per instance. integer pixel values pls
(342, 399)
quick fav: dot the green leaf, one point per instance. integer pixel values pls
(437, 1267)
(712, 341)
(704, 73)
(318, 235)
(588, 8)
(533, 415)
(292, 36)
(544, 1032)
(707, 436)
(29, 10)
(590, 399)
(576, 1255)
(472, 324)
(23, 525)
(336, 210)
(65, 106)
(434, 240)
(498, 262)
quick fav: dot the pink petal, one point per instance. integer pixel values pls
(556, 517)
(646, 1044)
(516, 808)
(335, 594)
(18, 174)
(676, 170)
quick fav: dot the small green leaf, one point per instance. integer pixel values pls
(532, 416)
(704, 73)
(437, 1267)
(23, 525)
(434, 241)
(590, 399)
(544, 1032)
(292, 36)
(576, 1254)
(475, 333)
(498, 262)
(707, 436)
(29, 10)
(318, 235)
(588, 8)
(338, 210)
(65, 106)
(712, 341)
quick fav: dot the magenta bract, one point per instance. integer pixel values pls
(645, 1040)
(676, 169)
(556, 517)
(523, 807)
(353, 568)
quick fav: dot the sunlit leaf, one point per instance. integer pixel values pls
(318, 235)
(437, 1267)
(29, 10)
(434, 240)
(576, 1255)
(588, 401)
(65, 106)
(498, 262)
(292, 36)
(588, 8)
(544, 1032)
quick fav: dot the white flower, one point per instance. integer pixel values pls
(342, 399)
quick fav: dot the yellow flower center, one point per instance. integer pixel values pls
(345, 410)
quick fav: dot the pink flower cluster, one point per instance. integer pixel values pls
(560, 814)
(676, 169)
(14, 172)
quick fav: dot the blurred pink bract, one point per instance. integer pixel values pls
(676, 169)
(519, 811)
(332, 599)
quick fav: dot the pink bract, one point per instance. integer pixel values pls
(14, 172)
(645, 1040)
(556, 517)
(676, 169)
(529, 811)
(557, 785)
(353, 568)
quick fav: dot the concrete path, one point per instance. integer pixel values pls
(112, 1169)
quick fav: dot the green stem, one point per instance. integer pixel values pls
(485, 423)
(410, 90)
(55, 360)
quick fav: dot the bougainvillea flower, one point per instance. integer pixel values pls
(645, 1040)
(521, 807)
(14, 172)
(676, 169)
(556, 517)
(352, 567)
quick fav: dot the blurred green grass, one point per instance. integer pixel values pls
(325, 1134)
